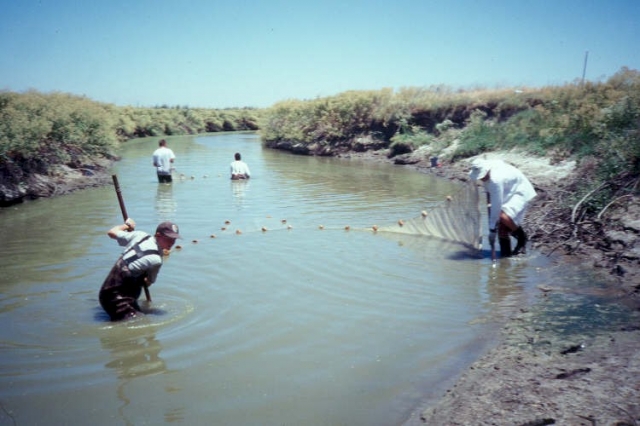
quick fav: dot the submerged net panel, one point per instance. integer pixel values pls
(456, 219)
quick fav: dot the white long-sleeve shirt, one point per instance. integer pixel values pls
(504, 185)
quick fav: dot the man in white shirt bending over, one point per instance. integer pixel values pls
(509, 193)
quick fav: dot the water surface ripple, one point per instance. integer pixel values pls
(282, 317)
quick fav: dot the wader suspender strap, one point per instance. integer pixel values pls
(139, 253)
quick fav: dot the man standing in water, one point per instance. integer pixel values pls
(136, 267)
(163, 159)
(239, 169)
(509, 193)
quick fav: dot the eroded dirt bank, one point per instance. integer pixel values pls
(59, 180)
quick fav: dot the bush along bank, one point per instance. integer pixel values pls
(598, 121)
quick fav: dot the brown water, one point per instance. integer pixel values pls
(290, 325)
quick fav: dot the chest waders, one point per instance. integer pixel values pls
(120, 291)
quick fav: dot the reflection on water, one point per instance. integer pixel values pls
(507, 282)
(238, 189)
(166, 206)
(134, 352)
(297, 325)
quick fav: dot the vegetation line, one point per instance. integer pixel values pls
(598, 124)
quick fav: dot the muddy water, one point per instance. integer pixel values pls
(283, 317)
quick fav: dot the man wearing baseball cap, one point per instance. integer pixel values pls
(509, 193)
(136, 268)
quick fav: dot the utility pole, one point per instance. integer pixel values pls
(584, 68)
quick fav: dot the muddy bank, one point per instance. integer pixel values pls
(573, 358)
(539, 375)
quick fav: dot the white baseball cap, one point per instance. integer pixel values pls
(479, 169)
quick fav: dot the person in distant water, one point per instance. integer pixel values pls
(163, 159)
(239, 169)
(509, 193)
(137, 266)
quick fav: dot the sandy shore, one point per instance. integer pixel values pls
(544, 370)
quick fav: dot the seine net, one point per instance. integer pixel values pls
(457, 219)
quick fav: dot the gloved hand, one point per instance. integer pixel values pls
(492, 237)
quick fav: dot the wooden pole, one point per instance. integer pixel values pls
(125, 216)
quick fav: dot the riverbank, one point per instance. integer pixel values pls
(539, 374)
(59, 180)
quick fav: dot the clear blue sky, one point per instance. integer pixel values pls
(236, 53)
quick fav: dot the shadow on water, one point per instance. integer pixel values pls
(146, 308)
(469, 255)
(149, 309)
(99, 315)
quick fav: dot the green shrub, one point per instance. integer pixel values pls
(480, 135)
(37, 129)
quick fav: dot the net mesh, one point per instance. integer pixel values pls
(457, 219)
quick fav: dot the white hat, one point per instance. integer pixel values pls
(479, 169)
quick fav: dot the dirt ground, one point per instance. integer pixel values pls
(539, 373)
